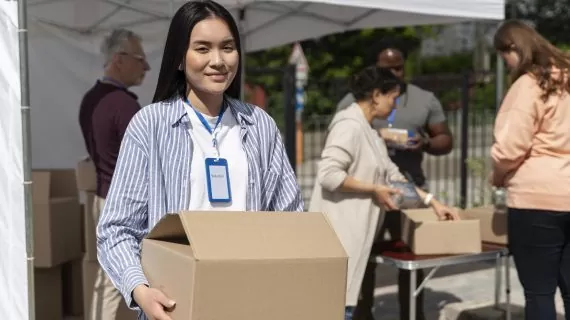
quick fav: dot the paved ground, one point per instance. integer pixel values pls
(473, 283)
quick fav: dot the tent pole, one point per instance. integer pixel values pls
(27, 150)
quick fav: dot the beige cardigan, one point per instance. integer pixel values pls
(353, 149)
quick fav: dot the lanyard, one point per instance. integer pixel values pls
(208, 127)
(393, 114)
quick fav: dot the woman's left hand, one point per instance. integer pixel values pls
(443, 212)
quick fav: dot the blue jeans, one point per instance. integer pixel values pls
(348, 312)
(539, 241)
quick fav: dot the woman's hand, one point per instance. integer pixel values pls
(152, 302)
(443, 212)
(383, 196)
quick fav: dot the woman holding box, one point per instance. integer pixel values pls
(195, 148)
(354, 172)
(531, 157)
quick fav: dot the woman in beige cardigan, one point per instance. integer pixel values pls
(354, 171)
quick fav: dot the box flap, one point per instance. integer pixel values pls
(169, 227)
(53, 183)
(260, 235)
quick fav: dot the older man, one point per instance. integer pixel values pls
(105, 112)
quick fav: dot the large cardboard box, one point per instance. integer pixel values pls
(86, 177)
(493, 224)
(89, 274)
(248, 265)
(57, 217)
(48, 293)
(426, 235)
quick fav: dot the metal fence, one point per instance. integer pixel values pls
(458, 178)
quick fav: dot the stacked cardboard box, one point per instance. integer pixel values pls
(57, 237)
(88, 266)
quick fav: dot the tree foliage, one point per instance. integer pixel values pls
(332, 60)
(550, 17)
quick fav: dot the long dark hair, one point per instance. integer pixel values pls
(537, 56)
(364, 82)
(171, 80)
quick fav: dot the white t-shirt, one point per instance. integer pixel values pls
(231, 149)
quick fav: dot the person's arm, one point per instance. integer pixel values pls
(440, 210)
(287, 195)
(514, 128)
(124, 222)
(337, 156)
(439, 140)
(342, 143)
(125, 109)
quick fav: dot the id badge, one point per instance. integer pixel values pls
(218, 180)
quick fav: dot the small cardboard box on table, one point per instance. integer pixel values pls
(426, 235)
(248, 265)
(493, 224)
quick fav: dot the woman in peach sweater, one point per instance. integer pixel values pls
(531, 158)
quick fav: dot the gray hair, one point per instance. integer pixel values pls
(116, 42)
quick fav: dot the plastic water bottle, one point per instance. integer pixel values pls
(500, 199)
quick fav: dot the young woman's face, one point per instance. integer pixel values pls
(212, 58)
(511, 58)
(385, 103)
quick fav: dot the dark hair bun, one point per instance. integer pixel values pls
(364, 82)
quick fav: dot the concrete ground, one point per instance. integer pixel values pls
(452, 288)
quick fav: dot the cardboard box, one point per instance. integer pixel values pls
(86, 175)
(89, 274)
(494, 227)
(57, 217)
(72, 276)
(248, 265)
(89, 228)
(426, 235)
(48, 293)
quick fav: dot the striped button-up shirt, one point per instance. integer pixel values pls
(152, 179)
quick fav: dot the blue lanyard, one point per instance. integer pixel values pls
(393, 113)
(205, 122)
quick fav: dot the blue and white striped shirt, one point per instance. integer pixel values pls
(152, 179)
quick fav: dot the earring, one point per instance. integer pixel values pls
(180, 67)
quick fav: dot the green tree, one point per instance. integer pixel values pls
(332, 60)
(549, 16)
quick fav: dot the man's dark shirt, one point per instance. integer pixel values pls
(104, 115)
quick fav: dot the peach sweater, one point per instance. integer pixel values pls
(531, 153)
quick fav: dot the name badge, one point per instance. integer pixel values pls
(218, 180)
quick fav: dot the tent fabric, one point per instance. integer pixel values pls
(13, 266)
(65, 38)
(64, 62)
(265, 23)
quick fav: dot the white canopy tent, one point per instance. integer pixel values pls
(64, 38)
